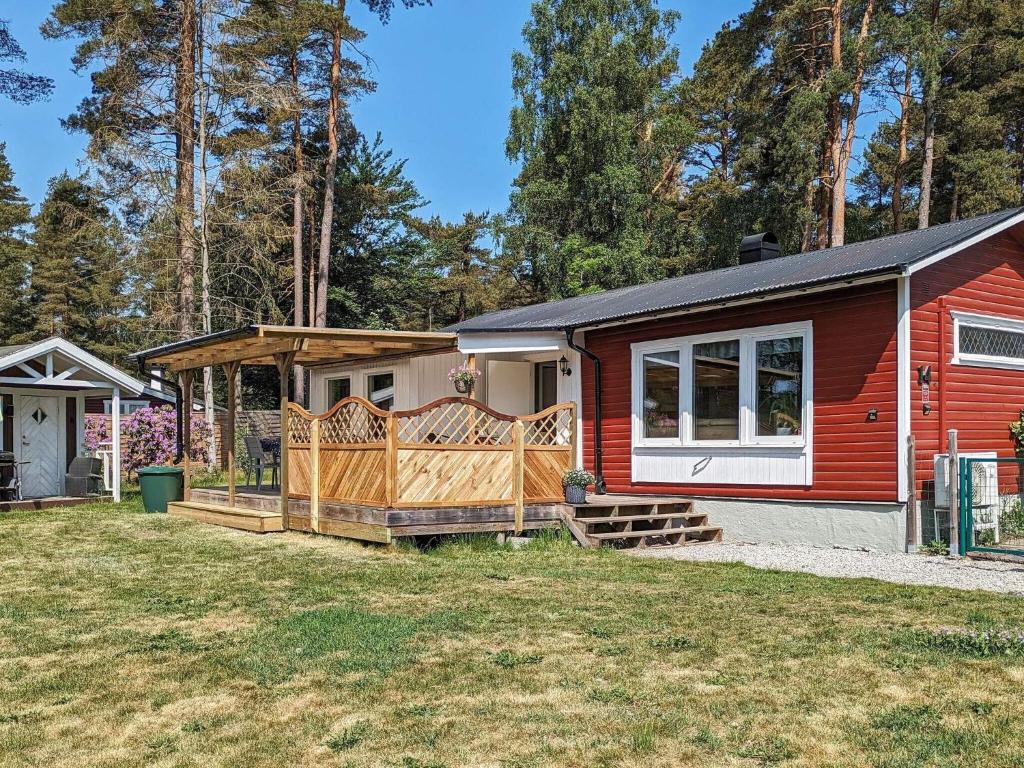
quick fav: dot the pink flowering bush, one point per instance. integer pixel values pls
(148, 437)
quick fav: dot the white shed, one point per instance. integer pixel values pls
(44, 386)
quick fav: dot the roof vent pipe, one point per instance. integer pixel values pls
(759, 247)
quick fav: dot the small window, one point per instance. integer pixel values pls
(780, 364)
(127, 406)
(661, 395)
(988, 341)
(716, 390)
(381, 389)
(338, 389)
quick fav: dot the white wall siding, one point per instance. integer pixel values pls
(721, 466)
(430, 376)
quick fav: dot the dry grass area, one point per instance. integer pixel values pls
(130, 639)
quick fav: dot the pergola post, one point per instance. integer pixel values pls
(284, 361)
(115, 440)
(231, 373)
(186, 433)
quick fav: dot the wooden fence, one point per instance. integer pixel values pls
(453, 452)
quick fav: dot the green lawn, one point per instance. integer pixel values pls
(130, 639)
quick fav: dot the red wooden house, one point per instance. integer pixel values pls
(782, 392)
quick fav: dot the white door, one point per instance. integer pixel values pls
(510, 387)
(40, 438)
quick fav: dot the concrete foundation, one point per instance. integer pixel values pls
(880, 527)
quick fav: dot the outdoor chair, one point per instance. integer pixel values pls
(260, 460)
(85, 477)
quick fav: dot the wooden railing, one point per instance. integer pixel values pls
(453, 452)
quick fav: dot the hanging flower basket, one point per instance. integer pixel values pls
(464, 378)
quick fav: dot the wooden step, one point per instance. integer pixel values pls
(691, 530)
(255, 520)
(633, 518)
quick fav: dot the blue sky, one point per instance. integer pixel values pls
(442, 100)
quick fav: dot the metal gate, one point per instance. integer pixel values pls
(991, 506)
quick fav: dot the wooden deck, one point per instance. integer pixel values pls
(619, 520)
(260, 512)
(50, 502)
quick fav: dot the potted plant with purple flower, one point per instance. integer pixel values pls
(464, 378)
(574, 483)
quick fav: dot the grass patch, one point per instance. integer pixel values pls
(506, 659)
(152, 640)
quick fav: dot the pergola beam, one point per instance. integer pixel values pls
(262, 344)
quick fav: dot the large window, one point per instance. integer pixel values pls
(749, 387)
(988, 341)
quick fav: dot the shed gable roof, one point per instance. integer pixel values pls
(71, 367)
(893, 255)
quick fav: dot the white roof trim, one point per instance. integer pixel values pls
(79, 357)
(506, 341)
(985, 234)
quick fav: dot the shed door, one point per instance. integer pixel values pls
(40, 435)
(510, 387)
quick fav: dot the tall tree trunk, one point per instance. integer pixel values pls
(298, 275)
(330, 170)
(842, 146)
(808, 225)
(204, 225)
(931, 92)
(185, 165)
(900, 169)
(311, 298)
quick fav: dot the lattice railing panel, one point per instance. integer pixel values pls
(454, 424)
(299, 428)
(353, 423)
(553, 429)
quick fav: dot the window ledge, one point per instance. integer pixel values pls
(1009, 364)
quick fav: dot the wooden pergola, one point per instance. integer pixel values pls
(283, 347)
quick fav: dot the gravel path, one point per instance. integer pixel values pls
(846, 563)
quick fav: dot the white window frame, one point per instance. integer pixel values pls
(127, 406)
(993, 322)
(327, 388)
(748, 338)
(394, 385)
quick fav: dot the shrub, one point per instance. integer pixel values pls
(148, 437)
(934, 547)
(1011, 518)
(1017, 435)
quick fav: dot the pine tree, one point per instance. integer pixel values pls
(140, 116)
(15, 215)
(78, 286)
(466, 271)
(16, 84)
(378, 275)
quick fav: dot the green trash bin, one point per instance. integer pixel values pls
(160, 486)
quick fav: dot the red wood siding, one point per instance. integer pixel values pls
(980, 403)
(854, 371)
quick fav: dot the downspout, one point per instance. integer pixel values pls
(179, 448)
(600, 486)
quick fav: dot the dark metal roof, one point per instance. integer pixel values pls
(884, 255)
